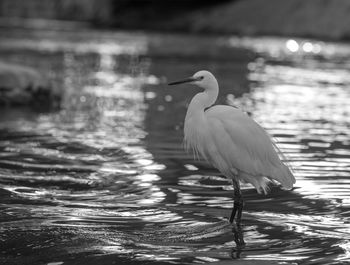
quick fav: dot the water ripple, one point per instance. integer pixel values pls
(106, 179)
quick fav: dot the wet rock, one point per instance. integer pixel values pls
(22, 85)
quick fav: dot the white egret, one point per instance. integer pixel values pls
(232, 142)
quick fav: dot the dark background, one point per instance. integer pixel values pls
(325, 19)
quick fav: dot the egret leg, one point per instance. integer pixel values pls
(237, 203)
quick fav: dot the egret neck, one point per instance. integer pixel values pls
(204, 99)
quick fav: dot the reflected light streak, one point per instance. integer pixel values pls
(78, 47)
(190, 167)
(292, 45)
(308, 47)
(161, 217)
(346, 247)
(313, 118)
(311, 225)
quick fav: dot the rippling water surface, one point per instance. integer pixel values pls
(105, 179)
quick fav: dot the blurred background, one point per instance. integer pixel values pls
(92, 167)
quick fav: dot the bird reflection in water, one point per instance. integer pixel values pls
(239, 240)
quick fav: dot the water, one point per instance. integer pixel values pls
(105, 180)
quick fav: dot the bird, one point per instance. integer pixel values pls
(232, 142)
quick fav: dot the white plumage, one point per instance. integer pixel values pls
(237, 146)
(230, 140)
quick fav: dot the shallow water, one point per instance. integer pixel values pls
(105, 180)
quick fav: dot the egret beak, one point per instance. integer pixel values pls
(187, 80)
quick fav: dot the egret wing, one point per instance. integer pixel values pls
(242, 144)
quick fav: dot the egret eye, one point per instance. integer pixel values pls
(201, 77)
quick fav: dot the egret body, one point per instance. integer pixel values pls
(232, 142)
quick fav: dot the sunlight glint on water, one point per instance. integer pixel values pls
(109, 171)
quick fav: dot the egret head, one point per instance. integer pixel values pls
(203, 79)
